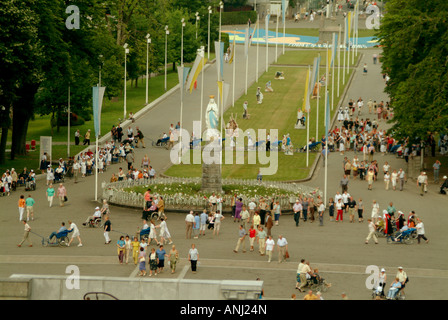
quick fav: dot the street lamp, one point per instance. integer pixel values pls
(167, 32)
(126, 51)
(221, 6)
(148, 41)
(197, 19)
(208, 41)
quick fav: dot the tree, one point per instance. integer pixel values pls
(414, 37)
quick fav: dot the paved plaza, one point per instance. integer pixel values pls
(336, 249)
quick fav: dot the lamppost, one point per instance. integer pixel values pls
(126, 51)
(208, 37)
(148, 41)
(197, 19)
(167, 32)
(221, 6)
(181, 90)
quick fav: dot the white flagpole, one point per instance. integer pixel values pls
(339, 56)
(276, 42)
(258, 40)
(267, 40)
(247, 70)
(96, 151)
(284, 32)
(307, 128)
(68, 124)
(202, 85)
(233, 61)
(332, 76)
(318, 97)
(345, 50)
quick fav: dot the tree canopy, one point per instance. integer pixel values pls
(414, 37)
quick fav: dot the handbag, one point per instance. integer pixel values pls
(65, 199)
(287, 255)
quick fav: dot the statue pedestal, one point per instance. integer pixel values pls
(211, 178)
(326, 34)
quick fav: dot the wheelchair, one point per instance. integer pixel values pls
(95, 223)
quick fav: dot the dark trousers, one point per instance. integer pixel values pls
(296, 218)
(193, 265)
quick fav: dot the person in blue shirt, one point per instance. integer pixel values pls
(161, 253)
(203, 222)
(54, 233)
(120, 249)
(196, 225)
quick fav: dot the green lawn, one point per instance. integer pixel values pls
(306, 57)
(278, 111)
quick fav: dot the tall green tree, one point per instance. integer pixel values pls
(414, 37)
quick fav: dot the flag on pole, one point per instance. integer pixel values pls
(306, 97)
(199, 62)
(334, 48)
(182, 73)
(219, 52)
(349, 25)
(327, 117)
(224, 89)
(284, 5)
(313, 79)
(251, 38)
(98, 94)
(232, 55)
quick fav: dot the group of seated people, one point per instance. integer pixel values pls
(10, 180)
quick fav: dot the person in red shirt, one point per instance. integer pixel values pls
(252, 235)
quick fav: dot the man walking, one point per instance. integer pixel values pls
(422, 181)
(282, 246)
(436, 167)
(130, 159)
(241, 239)
(29, 204)
(140, 138)
(402, 178)
(297, 208)
(189, 220)
(26, 235)
(372, 229)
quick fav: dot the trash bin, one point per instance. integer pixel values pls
(33, 144)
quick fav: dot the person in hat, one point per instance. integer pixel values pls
(96, 215)
(422, 181)
(382, 281)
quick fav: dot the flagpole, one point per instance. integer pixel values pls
(276, 42)
(202, 52)
(181, 91)
(345, 51)
(332, 74)
(233, 61)
(354, 35)
(96, 151)
(339, 56)
(348, 42)
(326, 155)
(258, 40)
(267, 38)
(307, 128)
(284, 32)
(318, 96)
(68, 124)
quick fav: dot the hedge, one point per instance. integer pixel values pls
(238, 17)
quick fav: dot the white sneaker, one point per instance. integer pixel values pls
(80, 245)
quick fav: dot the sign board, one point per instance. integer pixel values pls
(45, 146)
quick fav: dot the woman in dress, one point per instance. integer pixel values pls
(152, 232)
(238, 208)
(174, 257)
(83, 167)
(142, 262)
(153, 261)
(164, 232)
(394, 179)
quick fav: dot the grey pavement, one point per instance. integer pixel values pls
(338, 250)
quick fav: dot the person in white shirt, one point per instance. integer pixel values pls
(386, 180)
(96, 215)
(213, 201)
(218, 217)
(297, 208)
(282, 246)
(420, 231)
(372, 229)
(269, 247)
(422, 181)
(321, 210)
(299, 271)
(75, 233)
(189, 220)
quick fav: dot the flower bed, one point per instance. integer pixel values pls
(186, 193)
